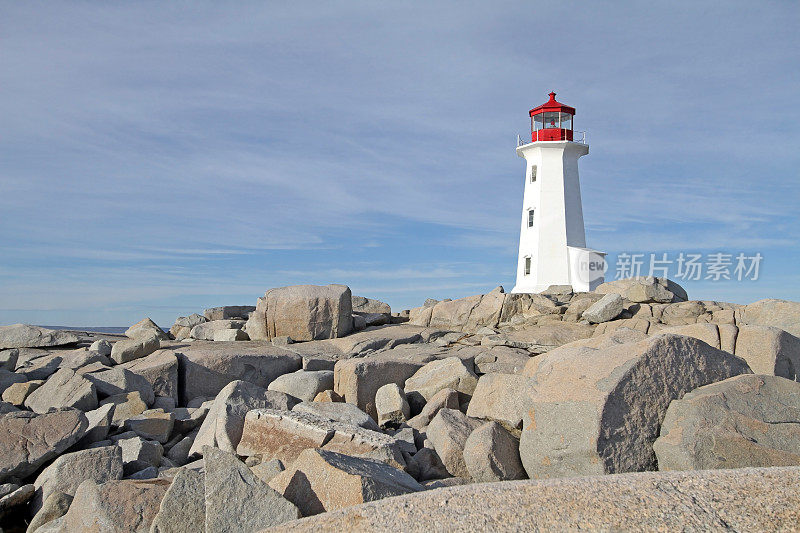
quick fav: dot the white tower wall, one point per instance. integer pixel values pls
(556, 243)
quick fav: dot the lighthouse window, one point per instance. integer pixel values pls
(566, 121)
(551, 120)
(527, 266)
(533, 173)
(538, 122)
(530, 218)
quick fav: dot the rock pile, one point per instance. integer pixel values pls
(334, 402)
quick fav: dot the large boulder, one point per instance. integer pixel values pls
(236, 500)
(504, 398)
(281, 435)
(448, 431)
(320, 481)
(303, 384)
(358, 380)
(30, 440)
(227, 312)
(492, 454)
(783, 314)
(160, 369)
(303, 312)
(449, 373)
(68, 471)
(8, 378)
(370, 306)
(222, 427)
(183, 509)
(645, 290)
(206, 331)
(453, 314)
(145, 328)
(757, 499)
(391, 405)
(65, 388)
(769, 350)
(182, 328)
(747, 420)
(113, 381)
(339, 412)
(598, 411)
(25, 336)
(206, 367)
(130, 349)
(606, 308)
(114, 506)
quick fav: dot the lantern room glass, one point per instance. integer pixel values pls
(551, 120)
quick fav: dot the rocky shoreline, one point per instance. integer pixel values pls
(626, 408)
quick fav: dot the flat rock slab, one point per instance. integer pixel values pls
(206, 367)
(183, 509)
(320, 481)
(25, 336)
(284, 435)
(751, 499)
(28, 440)
(747, 420)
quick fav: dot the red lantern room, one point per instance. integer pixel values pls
(552, 121)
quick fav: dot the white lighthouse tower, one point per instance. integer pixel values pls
(552, 241)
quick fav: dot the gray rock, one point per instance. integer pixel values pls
(222, 427)
(153, 424)
(448, 431)
(30, 440)
(16, 498)
(17, 393)
(357, 380)
(368, 305)
(753, 499)
(747, 420)
(102, 346)
(6, 407)
(303, 312)
(205, 368)
(100, 420)
(228, 312)
(597, 411)
(125, 406)
(769, 350)
(113, 381)
(160, 369)
(130, 349)
(283, 435)
(183, 509)
(65, 388)
(229, 335)
(607, 308)
(207, 330)
(391, 405)
(179, 452)
(151, 472)
(446, 398)
(146, 328)
(492, 454)
(55, 506)
(320, 481)
(182, 327)
(426, 465)
(503, 398)
(138, 454)
(783, 314)
(8, 359)
(71, 469)
(339, 412)
(502, 360)
(112, 507)
(645, 290)
(236, 500)
(267, 470)
(303, 384)
(25, 336)
(449, 373)
(8, 378)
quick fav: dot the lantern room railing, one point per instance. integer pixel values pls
(577, 137)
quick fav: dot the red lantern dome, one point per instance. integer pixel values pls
(552, 121)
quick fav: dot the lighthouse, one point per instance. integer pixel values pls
(552, 240)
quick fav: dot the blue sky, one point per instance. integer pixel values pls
(160, 158)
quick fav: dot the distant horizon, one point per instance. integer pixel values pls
(160, 159)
